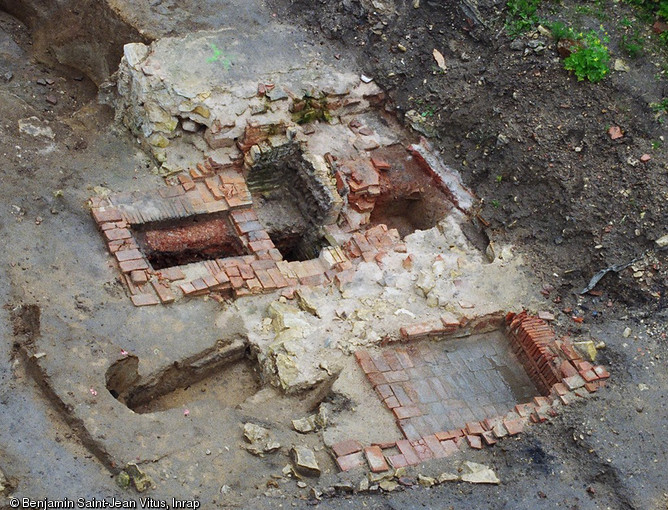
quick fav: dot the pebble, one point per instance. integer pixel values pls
(627, 333)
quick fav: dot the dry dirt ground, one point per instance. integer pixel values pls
(529, 139)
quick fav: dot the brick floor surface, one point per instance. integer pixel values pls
(453, 383)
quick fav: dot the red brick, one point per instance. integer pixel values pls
(514, 426)
(346, 447)
(588, 375)
(277, 277)
(435, 446)
(408, 452)
(396, 376)
(133, 265)
(392, 402)
(232, 271)
(488, 438)
(451, 434)
(449, 447)
(406, 412)
(351, 461)
(144, 299)
(124, 255)
(560, 389)
(398, 461)
(567, 369)
(117, 233)
(103, 215)
(376, 378)
(138, 277)
(574, 382)
(474, 428)
(237, 282)
(591, 387)
(187, 288)
(601, 372)
(200, 285)
(524, 410)
(474, 442)
(254, 285)
(265, 279)
(404, 358)
(380, 164)
(164, 292)
(171, 273)
(423, 452)
(375, 458)
(366, 362)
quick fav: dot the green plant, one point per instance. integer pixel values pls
(591, 60)
(632, 44)
(499, 178)
(625, 22)
(495, 203)
(521, 17)
(429, 112)
(561, 31)
(661, 106)
(656, 144)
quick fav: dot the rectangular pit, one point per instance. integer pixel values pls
(443, 385)
(188, 240)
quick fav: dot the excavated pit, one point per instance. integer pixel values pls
(226, 374)
(194, 239)
(408, 199)
(289, 202)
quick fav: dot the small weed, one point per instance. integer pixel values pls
(499, 178)
(661, 106)
(429, 112)
(561, 31)
(632, 44)
(591, 61)
(656, 144)
(625, 22)
(521, 17)
(495, 203)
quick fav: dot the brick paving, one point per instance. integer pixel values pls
(470, 390)
(436, 386)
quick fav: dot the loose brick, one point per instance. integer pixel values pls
(560, 389)
(514, 426)
(474, 428)
(351, 461)
(346, 447)
(449, 447)
(500, 430)
(398, 461)
(488, 438)
(474, 442)
(375, 458)
(164, 292)
(451, 434)
(574, 382)
(601, 372)
(138, 277)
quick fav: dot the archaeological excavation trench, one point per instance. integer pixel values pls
(294, 284)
